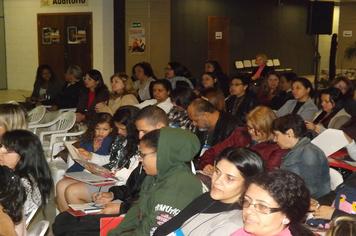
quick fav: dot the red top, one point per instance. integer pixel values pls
(259, 71)
(91, 97)
(269, 151)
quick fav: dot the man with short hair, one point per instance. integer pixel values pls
(217, 125)
(150, 118)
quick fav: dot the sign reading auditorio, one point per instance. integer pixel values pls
(48, 3)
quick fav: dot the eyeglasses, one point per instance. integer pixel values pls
(259, 207)
(143, 155)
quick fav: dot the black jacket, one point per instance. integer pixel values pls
(223, 128)
(102, 95)
(69, 95)
(239, 107)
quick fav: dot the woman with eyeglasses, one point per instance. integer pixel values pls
(22, 152)
(94, 91)
(122, 94)
(274, 204)
(240, 101)
(257, 135)
(218, 212)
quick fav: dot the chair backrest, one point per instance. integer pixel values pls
(239, 65)
(276, 62)
(247, 63)
(269, 62)
(66, 121)
(30, 217)
(39, 229)
(36, 114)
(335, 178)
(253, 61)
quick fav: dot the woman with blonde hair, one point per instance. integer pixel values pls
(257, 135)
(343, 226)
(12, 116)
(122, 94)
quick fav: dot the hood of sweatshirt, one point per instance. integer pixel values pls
(175, 147)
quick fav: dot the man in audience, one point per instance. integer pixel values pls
(216, 125)
(148, 119)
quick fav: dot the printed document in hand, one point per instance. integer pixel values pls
(330, 141)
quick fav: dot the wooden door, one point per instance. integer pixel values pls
(65, 39)
(219, 40)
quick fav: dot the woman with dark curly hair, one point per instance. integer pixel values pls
(142, 75)
(22, 151)
(275, 204)
(12, 198)
(121, 161)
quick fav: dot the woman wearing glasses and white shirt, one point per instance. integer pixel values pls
(274, 204)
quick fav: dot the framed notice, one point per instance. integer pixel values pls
(50, 35)
(72, 33)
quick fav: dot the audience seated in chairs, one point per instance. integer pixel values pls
(214, 67)
(122, 160)
(178, 75)
(122, 94)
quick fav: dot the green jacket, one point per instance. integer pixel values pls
(163, 196)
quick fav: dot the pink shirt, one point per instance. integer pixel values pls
(259, 71)
(242, 232)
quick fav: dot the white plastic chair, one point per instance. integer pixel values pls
(247, 63)
(30, 217)
(276, 62)
(239, 65)
(36, 115)
(253, 61)
(335, 178)
(39, 229)
(269, 62)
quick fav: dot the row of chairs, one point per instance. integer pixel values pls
(243, 64)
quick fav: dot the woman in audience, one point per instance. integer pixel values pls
(121, 161)
(347, 89)
(275, 204)
(143, 75)
(303, 158)
(215, 68)
(332, 114)
(97, 139)
(257, 135)
(240, 101)
(22, 151)
(95, 91)
(46, 86)
(178, 116)
(178, 75)
(302, 104)
(161, 90)
(270, 93)
(208, 80)
(12, 199)
(122, 94)
(68, 96)
(12, 116)
(169, 185)
(218, 212)
(286, 83)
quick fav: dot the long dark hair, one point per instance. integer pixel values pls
(335, 96)
(99, 118)
(12, 194)
(96, 75)
(39, 79)
(32, 164)
(126, 115)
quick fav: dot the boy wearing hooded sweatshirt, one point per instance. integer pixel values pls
(169, 185)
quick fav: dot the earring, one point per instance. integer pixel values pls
(285, 221)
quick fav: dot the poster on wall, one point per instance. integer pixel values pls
(72, 35)
(50, 35)
(137, 40)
